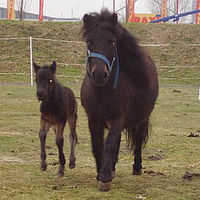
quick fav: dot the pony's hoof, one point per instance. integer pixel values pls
(137, 172)
(104, 186)
(60, 174)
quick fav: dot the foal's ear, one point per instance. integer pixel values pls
(36, 67)
(113, 19)
(53, 67)
(87, 19)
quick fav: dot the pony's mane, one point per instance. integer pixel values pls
(101, 20)
(133, 58)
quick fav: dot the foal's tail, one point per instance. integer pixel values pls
(138, 134)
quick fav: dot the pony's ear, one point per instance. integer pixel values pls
(113, 19)
(36, 67)
(53, 67)
(87, 19)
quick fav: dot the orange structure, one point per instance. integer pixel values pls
(41, 11)
(131, 10)
(198, 14)
(11, 9)
(164, 8)
(139, 18)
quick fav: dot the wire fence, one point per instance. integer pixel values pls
(18, 61)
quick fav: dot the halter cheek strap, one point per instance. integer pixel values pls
(100, 56)
(110, 66)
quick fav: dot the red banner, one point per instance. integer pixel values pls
(41, 17)
(10, 9)
(198, 14)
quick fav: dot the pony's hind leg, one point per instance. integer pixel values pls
(140, 134)
(59, 142)
(44, 128)
(73, 140)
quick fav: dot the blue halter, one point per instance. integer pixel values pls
(110, 66)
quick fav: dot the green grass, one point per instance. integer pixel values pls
(175, 116)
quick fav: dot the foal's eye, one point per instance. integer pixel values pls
(50, 80)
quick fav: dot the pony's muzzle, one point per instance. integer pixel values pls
(99, 75)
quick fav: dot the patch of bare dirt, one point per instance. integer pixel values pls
(154, 173)
(190, 175)
(8, 159)
(155, 157)
(9, 133)
(193, 135)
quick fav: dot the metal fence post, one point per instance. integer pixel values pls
(31, 59)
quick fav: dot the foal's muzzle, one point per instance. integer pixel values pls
(41, 94)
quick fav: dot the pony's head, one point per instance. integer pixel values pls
(45, 80)
(101, 35)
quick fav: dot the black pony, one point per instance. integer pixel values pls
(58, 105)
(118, 92)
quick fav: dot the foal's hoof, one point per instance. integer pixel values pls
(72, 165)
(104, 186)
(43, 167)
(137, 172)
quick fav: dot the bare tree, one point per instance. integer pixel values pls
(22, 5)
(184, 6)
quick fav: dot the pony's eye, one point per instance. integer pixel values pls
(50, 80)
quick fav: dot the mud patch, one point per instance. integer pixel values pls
(175, 90)
(154, 173)
(190, 175)
(155, 157)
(193, 135)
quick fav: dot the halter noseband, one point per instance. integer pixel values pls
(110, 66)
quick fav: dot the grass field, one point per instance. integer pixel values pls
(169, 152)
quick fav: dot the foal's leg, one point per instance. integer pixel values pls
(44, 128)
(59, 143)
(96, 130)
(110, 154)
(73, 139)
(140, 132)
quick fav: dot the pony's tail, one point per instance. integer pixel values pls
(133, 136)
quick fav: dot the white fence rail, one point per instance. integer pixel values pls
(32, 39)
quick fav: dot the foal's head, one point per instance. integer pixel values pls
(101, 34)
(45, 80)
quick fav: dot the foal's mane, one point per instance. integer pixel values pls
(134, 61)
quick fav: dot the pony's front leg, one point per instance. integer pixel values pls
(110, 154)
(44, 128)
(96, 130)
(59, 143)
